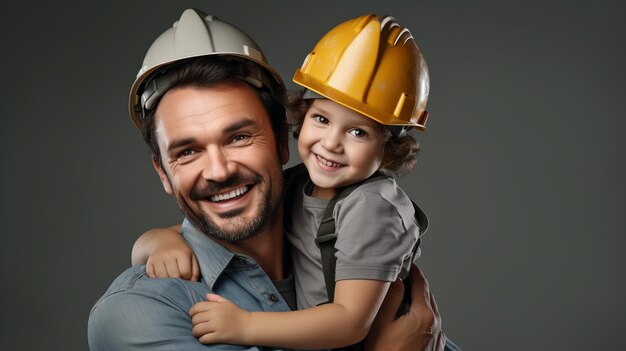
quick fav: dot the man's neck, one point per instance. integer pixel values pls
(266, 248)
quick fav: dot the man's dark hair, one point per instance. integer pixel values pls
(400, 154)
(210, 71)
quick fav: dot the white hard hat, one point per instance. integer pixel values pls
(193, 35)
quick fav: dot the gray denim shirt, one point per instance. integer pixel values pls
(139, 313)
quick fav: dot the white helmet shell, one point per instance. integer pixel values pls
(195, 35)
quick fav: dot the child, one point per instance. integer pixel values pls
(366, 84)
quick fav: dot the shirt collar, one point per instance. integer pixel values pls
(213, 258)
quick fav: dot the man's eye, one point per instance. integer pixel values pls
(185, 153)
(239, 138)
(359, 133)
(320, 119)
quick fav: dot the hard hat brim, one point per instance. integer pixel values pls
(341, 98)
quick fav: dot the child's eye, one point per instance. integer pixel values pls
(359, 133)
(320, 119)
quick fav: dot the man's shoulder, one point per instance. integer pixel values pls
(127, 279)
(133, 301)
(134, 285)
(141, 313)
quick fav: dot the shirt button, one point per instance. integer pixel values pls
(273, 298)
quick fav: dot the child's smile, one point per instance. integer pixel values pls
(339, 146)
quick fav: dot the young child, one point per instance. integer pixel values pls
(366, 83)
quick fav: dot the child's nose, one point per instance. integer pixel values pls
(333, 142)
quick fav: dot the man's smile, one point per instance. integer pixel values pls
(230, 195)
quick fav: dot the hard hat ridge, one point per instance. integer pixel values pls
(388, 24)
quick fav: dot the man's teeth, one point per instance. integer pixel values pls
(230, 195)
(328, 163)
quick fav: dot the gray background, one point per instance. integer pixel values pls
(522, 171)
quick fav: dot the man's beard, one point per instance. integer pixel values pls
(266, 208)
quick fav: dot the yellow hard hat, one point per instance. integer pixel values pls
(372, 65)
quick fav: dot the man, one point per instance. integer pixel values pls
(211, 111)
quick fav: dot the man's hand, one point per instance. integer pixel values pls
(418, 329)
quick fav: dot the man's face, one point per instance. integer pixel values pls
(220, 159)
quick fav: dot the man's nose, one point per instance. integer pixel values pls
(216, 165)
(333, 141)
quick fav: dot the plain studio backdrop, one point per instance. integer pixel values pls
(521, 170)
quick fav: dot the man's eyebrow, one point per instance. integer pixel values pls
(239, 124)
(181, 142)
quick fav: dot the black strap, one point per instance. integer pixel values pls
(326, 238)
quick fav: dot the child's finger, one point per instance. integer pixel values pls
(208, 338)
(195, 269)
(159, 270)
(184, 267)
(201, 329)
(215, 298)
(199, 308)
(150, 270)
(201, 317)
(171, 267)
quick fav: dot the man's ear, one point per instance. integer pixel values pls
(162, 175)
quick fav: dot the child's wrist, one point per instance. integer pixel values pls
(248, 328)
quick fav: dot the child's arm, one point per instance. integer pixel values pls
(166, 254)
(342, 323)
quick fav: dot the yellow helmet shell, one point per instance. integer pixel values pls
(372, 65)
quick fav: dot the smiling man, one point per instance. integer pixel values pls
(220, 159)
(211, 111)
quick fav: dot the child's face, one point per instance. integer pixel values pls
(339, 146)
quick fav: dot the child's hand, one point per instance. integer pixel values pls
(173, 259)
(218, 320)
(166, 254)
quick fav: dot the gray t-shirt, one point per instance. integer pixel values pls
(376, 231)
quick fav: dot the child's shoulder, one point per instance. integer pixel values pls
(380, 190)
(383, 197)
(382, 186)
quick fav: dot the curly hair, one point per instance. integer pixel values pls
(400, 153)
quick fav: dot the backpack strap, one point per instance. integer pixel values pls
(327, 236)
